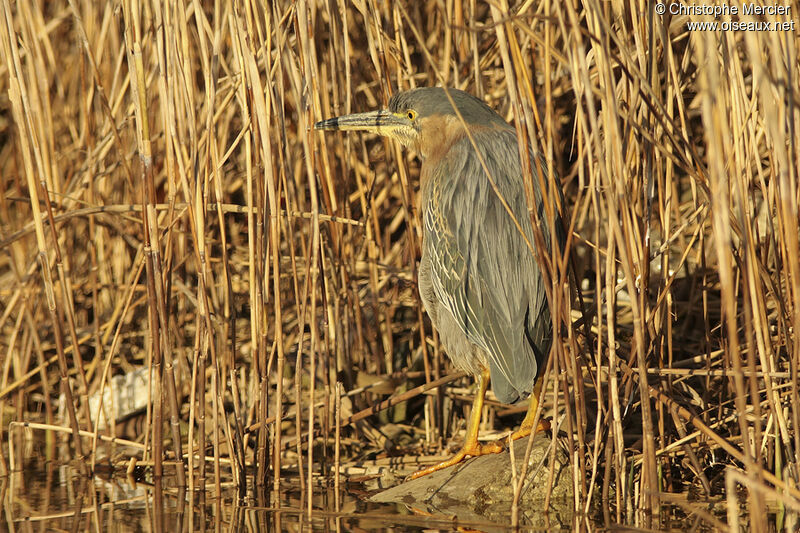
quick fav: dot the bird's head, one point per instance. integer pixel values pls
(422, 119)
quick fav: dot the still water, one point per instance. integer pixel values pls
(44, 494)
(48, 496)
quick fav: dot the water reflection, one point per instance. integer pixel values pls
(51, 495)
(43, 493)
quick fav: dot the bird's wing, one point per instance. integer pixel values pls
(482, 270)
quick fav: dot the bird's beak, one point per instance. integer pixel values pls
(383, 122)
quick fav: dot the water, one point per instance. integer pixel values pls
(53, 496)
(50, 494)
(46, 493)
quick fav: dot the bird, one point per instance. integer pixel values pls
(478, 278)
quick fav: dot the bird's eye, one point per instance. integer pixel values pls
(411, 114)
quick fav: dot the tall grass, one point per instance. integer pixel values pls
(165, 204)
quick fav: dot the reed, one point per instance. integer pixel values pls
(166, 205)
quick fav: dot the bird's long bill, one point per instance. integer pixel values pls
(382, 122)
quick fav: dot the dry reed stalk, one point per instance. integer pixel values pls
(29, 145)
(337, 445)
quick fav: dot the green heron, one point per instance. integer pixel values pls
(478, 279)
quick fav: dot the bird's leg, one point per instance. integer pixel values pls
(526, 427)
(471, 446)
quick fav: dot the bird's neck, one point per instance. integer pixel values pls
(438, 134)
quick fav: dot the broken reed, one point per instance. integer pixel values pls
(247, 253)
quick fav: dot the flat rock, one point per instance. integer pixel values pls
(481, 488)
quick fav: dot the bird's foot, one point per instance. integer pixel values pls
(469, 450)
(524, 431)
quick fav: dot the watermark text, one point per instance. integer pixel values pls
(726, 17)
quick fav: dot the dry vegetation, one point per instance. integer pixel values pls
(166, 205)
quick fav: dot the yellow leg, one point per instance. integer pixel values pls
(471, 446)
(526, 427)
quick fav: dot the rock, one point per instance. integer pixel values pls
(481, 488)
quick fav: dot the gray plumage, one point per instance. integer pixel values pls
(478, 279)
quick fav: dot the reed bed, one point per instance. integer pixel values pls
(166, 206)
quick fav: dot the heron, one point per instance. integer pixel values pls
(478, 278)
